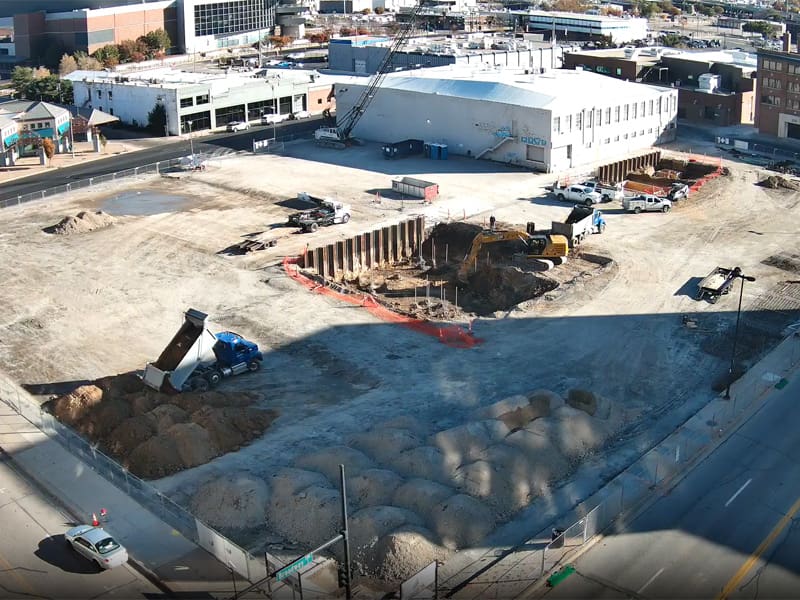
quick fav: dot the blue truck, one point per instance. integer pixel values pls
(582, 222)
(197, 359)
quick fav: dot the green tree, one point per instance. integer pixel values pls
(157, 41)
(766, 29)
(157, 119)
(673, 41)
(132, 51)
(647, 9)
(108, 55)
(21, 80)
(67, 65)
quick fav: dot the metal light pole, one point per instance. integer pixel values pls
(737, 273)
(191, 143)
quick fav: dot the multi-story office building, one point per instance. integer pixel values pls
(778, 92)
(212, 24)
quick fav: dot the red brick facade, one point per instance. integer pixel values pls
(778, 94)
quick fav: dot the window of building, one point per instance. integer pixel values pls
(772, 65)
(616, 138)
(625, 137)
(231, 16)
(635, 110)
(569, 123)
(771, 100)
(616, 114)
(793, 86)
(201, 99)
(603, 70)
(650, 108)
(186, 102)
(641, 109)
(619, 71)
(556, 124)
(579, 121)
(772, 82)
(608, 116)
(793, 104)
(319, 100)
(650, 130)
(633, 135)
(793, 69)
(99, 93)
(626, 112)
(607, 141)
(598, 118)
(110, 111)
(110, 95)
(641, 132)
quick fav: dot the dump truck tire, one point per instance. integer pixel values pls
(253, 366)
(214, 377)
(345, 218)
(199, 384)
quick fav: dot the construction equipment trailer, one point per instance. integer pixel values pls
(197, 359)
(716, 284)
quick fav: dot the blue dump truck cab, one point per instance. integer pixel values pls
(197, 359)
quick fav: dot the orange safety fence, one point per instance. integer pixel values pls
(451, 335)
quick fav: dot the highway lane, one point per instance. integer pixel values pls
(202, 145)
(728, 530)
(35, 559)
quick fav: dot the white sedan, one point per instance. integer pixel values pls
(301, 114)
(238, 126)
(97, 545)
(271, 119)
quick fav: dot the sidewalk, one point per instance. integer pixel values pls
(183, 568)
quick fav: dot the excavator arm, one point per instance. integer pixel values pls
(483, 238)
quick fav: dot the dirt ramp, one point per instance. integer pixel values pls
(232, 502)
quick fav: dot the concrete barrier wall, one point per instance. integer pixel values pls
(379, 248)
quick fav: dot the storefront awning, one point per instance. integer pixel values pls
(10, 140)
(63, 128)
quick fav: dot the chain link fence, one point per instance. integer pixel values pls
(156, 168)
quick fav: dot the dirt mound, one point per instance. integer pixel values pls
(465, 443)
(426, 462)
(369, 524)
(462, 521)
(372, 487)
(156, 434)
(493, 288)
(83, 222)
(402, 553)
(73, 407)
(421, 495)
(776, 181)
(455, 239)
(384, 444)
(548, 464)
(308, 517)
(327, 462)
(574, 432)
(232, 502)
(517, 411)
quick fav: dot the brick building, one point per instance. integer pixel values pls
(90, 29)
(778, 93)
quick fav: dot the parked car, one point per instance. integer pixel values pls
(97, 545)
(647, 203)
(274, 118)
(300, 114)
(238, 126)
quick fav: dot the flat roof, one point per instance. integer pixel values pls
(553, 90)
(734, 57)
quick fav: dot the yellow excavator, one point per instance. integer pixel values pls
(539, 246)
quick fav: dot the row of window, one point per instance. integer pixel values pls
(229, 17)
(110, 94)
(599, 117)
(192, 100)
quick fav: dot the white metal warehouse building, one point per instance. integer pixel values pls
(547, 122)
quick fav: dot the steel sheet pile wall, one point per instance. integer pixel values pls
(378, 248)
(618, 171)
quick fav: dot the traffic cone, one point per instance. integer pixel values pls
(95, 522)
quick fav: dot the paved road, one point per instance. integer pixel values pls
(206, 144)
(727, 530)
(35, 560)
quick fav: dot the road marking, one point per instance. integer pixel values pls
(649, 581)
(11, 570)
(766, 543)
(739, 491)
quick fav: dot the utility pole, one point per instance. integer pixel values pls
(348, 591)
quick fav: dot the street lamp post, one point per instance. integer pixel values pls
(737, 274)
(191, 143)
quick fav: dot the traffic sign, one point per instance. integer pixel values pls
(301, 562)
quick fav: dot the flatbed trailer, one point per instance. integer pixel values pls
(716, 284)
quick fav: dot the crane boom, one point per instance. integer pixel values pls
(351, 118)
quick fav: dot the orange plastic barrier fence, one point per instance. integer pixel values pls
(451, 335)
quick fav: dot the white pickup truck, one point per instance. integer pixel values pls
(646, 202)
(607, 192)
(577, 194)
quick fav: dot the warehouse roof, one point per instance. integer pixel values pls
(554, 89)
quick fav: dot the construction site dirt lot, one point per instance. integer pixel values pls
(443, 446)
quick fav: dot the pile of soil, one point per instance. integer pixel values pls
(455, 239)
(776, 181)
(154, 434)
(232, 502)
(83, 222)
